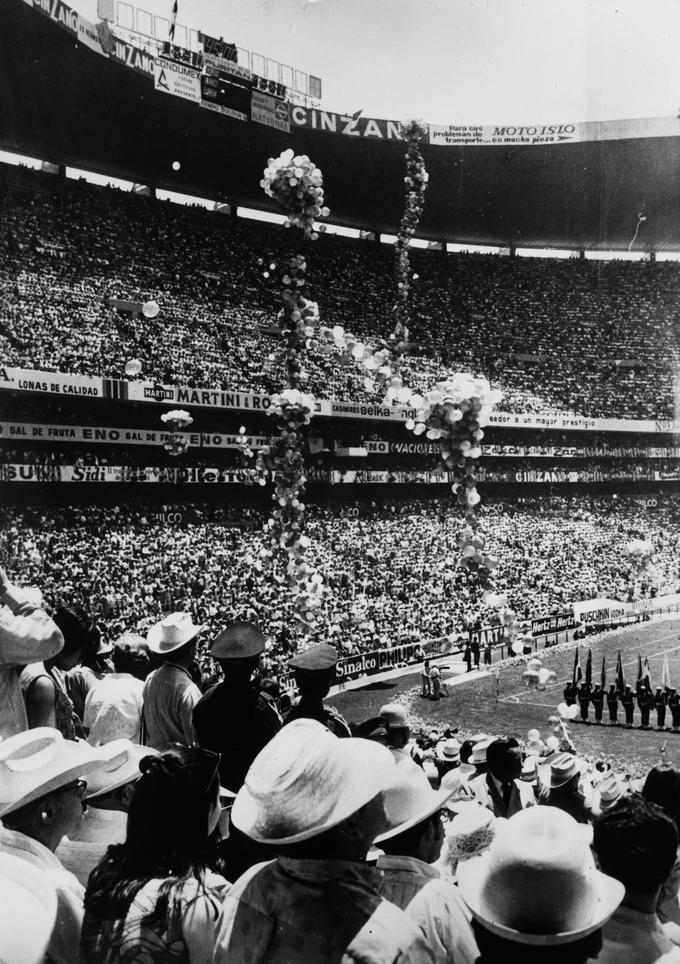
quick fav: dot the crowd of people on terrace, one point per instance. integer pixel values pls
(145, 815)
(390, 568)
(592, 338)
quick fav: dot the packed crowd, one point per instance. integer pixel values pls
(149, 815)
(593, 338)
(389, 568)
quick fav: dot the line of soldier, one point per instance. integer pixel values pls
(584, 694)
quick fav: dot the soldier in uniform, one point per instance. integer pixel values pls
(569, 693)
(674, 707)
(660, 705)
(315, 674)
(628, 703)
(613, 705)
(644, 700)
(597, 699)
(583, 694)
(233, 718)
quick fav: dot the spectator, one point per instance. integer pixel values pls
(637, 843)
(43, 684)
(233, 718)
(561, 787)
(399, 731)
(40, 803)
(110, 789)
(170, 694)
(113, 708)
(500, 789)
(27, 634)
(155, 892)
(314, 671)
(411, 846)
(28, 910)
(279, 911)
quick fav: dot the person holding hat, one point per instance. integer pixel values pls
(154, 897)
(318, 801)
(44, 684)
(500, 789)
(41, 801)
(113, 708)
(411, 844)
(535, 894)
(232, 717)
(27, 635)
(636, 842)
(109, 791)
(314, 671)
(170, 693)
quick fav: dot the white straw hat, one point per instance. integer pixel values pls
(395, 715)
(458, 787)
(409, 800)
(479, 750)
(306, 780)
(119, 765)
(448, 751)
(609, 792)
(471, 831)
(28, 910)
(38, 762)
(560, 771)
(537, 883)
(172, 632)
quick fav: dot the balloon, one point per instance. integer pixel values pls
(517, 649)
(176, 165)
(150, 309)
(133, 367)
(573, 712)
(563, 710)
(552, 743)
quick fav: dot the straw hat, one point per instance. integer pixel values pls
(609, 792)
(448, 751)
(537, 883)
(119, 765)
(239, 641)
(306, 780)
(460, 791)
(529, 772)
(37, 762)
(28, 910)
(409, 801)
(479, 750)
(394, 715)
(471, 831)
(172, 632)
(560, 771)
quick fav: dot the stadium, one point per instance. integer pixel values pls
(399, 391)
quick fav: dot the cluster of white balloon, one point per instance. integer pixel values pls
(536, 676)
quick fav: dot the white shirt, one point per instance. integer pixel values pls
(65, 940)
(433, 904)
(113, 709)
(99, 829)
(27, 635)
(630, 935)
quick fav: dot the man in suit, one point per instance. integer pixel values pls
(500, 789)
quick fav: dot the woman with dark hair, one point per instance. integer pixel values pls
(154, 896)
(662, 787)
(43, 684)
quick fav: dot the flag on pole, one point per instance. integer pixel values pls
(173, 20)
(589, 669)
(665, 673)
(603, 676)
(620, 679)
(577, 675)
(639, 676)
(646, 674)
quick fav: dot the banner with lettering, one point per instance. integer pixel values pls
(177, 79)
(31, 431)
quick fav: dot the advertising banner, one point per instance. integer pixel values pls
(177, 79)
(352, 126)
(463, 135)
(602, 610)
(87, 34)
(367, 664)
(270, 111)
(226, 66)
(579, 423)
(58, 11)
(552, 624)
(28, 380)
(30, 431)
(133, 57)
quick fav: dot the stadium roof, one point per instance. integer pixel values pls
(586, 186)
